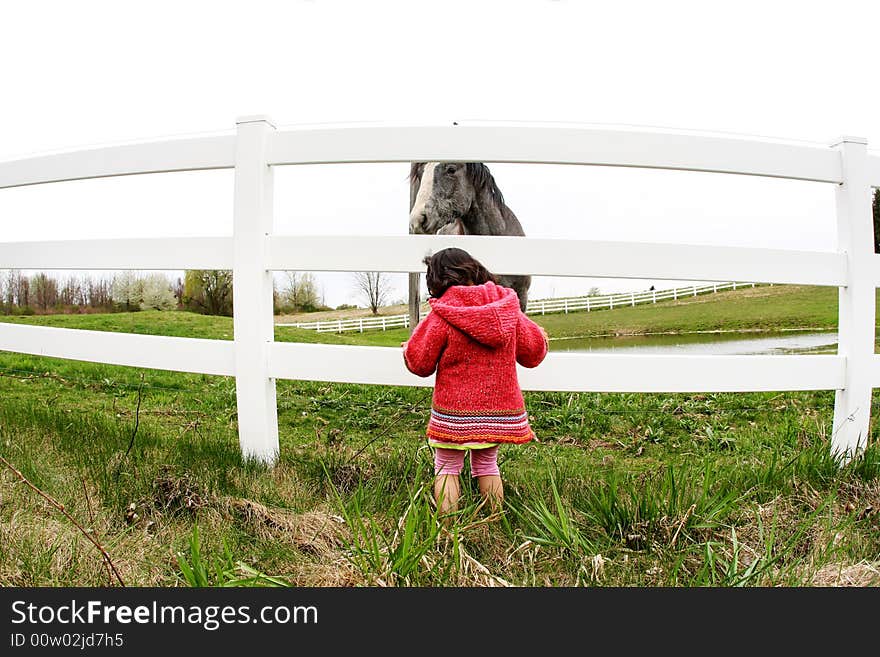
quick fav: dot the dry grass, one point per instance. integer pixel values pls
(859, 574)
(319, 533)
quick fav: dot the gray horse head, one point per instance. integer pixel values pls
(444, 194)
(461, 198)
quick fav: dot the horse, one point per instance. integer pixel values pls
(462, 198)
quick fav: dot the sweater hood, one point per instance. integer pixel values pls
(487, 313)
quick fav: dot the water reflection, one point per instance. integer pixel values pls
(734, 343)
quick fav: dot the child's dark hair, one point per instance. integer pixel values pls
(453, 266)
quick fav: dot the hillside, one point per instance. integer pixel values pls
(760, 308)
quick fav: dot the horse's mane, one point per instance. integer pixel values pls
(483, 181)
(477, 172)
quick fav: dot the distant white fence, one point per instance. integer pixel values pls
(254, 252)
(612, 301)
(360, 324)
(538, 307)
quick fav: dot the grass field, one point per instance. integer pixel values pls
(619, 490)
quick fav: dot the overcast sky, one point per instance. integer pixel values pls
(92, 73)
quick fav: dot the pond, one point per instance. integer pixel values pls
(726, 343)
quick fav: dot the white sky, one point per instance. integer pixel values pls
(89, 73)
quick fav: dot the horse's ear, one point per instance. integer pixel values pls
(415, 177)
(415, 171)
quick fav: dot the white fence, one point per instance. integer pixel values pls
(253, 252)
(612, 301)
(538, 307)
(359, 324)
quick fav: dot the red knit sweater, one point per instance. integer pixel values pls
(473, 338)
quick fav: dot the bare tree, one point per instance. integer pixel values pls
(100, 293)
(45, 290)
(82, 292)
(16, 289)
(300, 291)
(22, 290)
(374, 287)
(70, 292)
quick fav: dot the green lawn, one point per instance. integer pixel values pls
(620, 489)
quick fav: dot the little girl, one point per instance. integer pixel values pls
(473, 337)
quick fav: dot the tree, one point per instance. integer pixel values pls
(157, 293)
(300, 291)
(44, 290)
(23, 290)
(877, 220)
(208, 291)
(100, 293)
(128, 290)
(178, 290)
(373, 287)
(69, 293)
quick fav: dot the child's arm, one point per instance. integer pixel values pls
(531, 342)
(422, 351)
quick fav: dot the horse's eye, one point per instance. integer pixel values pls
(451, 169)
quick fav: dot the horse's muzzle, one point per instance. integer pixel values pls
(417, 223)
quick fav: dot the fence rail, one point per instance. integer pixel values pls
(538, 307)
(612, 301)
(359, 324)
(254, 252)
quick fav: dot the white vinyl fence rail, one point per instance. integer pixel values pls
(254, 251)
(613, 301)
(539, 307)
(359, 324)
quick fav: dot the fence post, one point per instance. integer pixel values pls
(252, 291)
(734, 285)
(339, 325)
(675, 294)
(588, 304)
(856, 308)
(633, 297)
(654, 295)
(414, 279)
